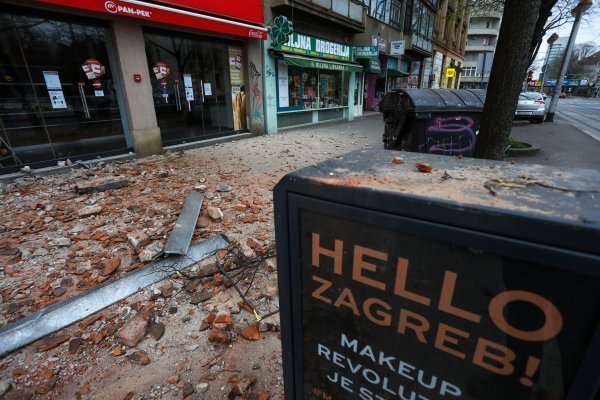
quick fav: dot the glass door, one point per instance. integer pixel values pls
(191, 85)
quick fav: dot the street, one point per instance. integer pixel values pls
(582, 113)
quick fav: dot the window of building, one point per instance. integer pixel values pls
(387, 11)
(469, 71)
(487, 24)
(310, 88)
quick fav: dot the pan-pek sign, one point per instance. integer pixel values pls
(385, 307)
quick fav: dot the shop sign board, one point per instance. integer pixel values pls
(316, 47)
(392, 63)
(381, 43)
(388, 291)
(366, 52)
(242, 10)
(397, 47)
(450, 72)
(169, 14)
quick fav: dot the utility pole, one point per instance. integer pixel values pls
(578, 11)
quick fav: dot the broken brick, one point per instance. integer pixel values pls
(139, 357)
(50, 342)
(219, 336)
(132, 332)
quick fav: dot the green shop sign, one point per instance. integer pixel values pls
(315, 47)
(366, 51)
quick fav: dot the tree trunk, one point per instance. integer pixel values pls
(508, 72)
(540, 28)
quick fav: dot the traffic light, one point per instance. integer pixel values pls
(529, 76)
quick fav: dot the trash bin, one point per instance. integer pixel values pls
(435, 121)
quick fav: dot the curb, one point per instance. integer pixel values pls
(530, 151)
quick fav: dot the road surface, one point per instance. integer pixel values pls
(582, 113)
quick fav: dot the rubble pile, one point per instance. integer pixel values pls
(200, 334)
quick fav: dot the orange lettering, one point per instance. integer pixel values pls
(325, 284)
(400, 286)
(419, 329)
(445, 304)
(359, 265)
(442, 338)
(503, 358)
(346, 298)
(336, 253)
(553, 323)
(384, 317)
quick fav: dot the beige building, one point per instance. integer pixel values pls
(449, 41)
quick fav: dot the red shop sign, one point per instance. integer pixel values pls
(242, 10)
(171, 15)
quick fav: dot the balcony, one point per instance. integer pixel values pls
(346, 13)
(481, 47)
(484, 31)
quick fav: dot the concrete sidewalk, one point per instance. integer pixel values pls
(562, 145)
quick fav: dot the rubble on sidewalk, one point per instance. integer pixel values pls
(64, 235)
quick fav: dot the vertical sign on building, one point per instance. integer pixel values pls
(238, 95)
(282, 84)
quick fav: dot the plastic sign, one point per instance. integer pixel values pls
(281, 30)
(397, 47)
(161, 70)
(450, 72)
(93, 68)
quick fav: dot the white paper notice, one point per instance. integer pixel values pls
(187, 80)
(282, 82)
(207, 89)
(52, 80)
(189, 93)
(57, 98)
(99, 93)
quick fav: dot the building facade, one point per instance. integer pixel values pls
(449, 42)
(86, 79)
(483, 32)
(312, 77)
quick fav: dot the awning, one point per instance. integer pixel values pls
(306, 62)
(169, 15)
(394, 73)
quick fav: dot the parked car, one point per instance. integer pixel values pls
(531, 106)
(563, 95)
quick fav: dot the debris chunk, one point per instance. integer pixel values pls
(50, 342)
(133, 331)
(424, 167)
(101, 184)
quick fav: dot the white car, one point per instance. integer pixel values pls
(531, 106)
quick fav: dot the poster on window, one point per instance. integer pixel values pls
(282, 83)
(189, 90)
(161, 70)
(52, 80)
(207, 89)
(93, 68)
(57, 99)
(238, 95)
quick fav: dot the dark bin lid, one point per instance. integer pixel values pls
(443, 100)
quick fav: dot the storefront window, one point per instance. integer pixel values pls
(197, 85)
(309, 88)
(58, 98)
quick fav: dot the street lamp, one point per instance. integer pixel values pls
(578, 11)
(551, 40)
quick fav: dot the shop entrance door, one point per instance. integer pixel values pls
(191, 85)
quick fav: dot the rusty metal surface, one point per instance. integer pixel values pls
(65, 313)
(181, 236)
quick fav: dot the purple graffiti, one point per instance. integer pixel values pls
(449, 126)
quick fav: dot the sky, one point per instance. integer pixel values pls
(589, 31)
